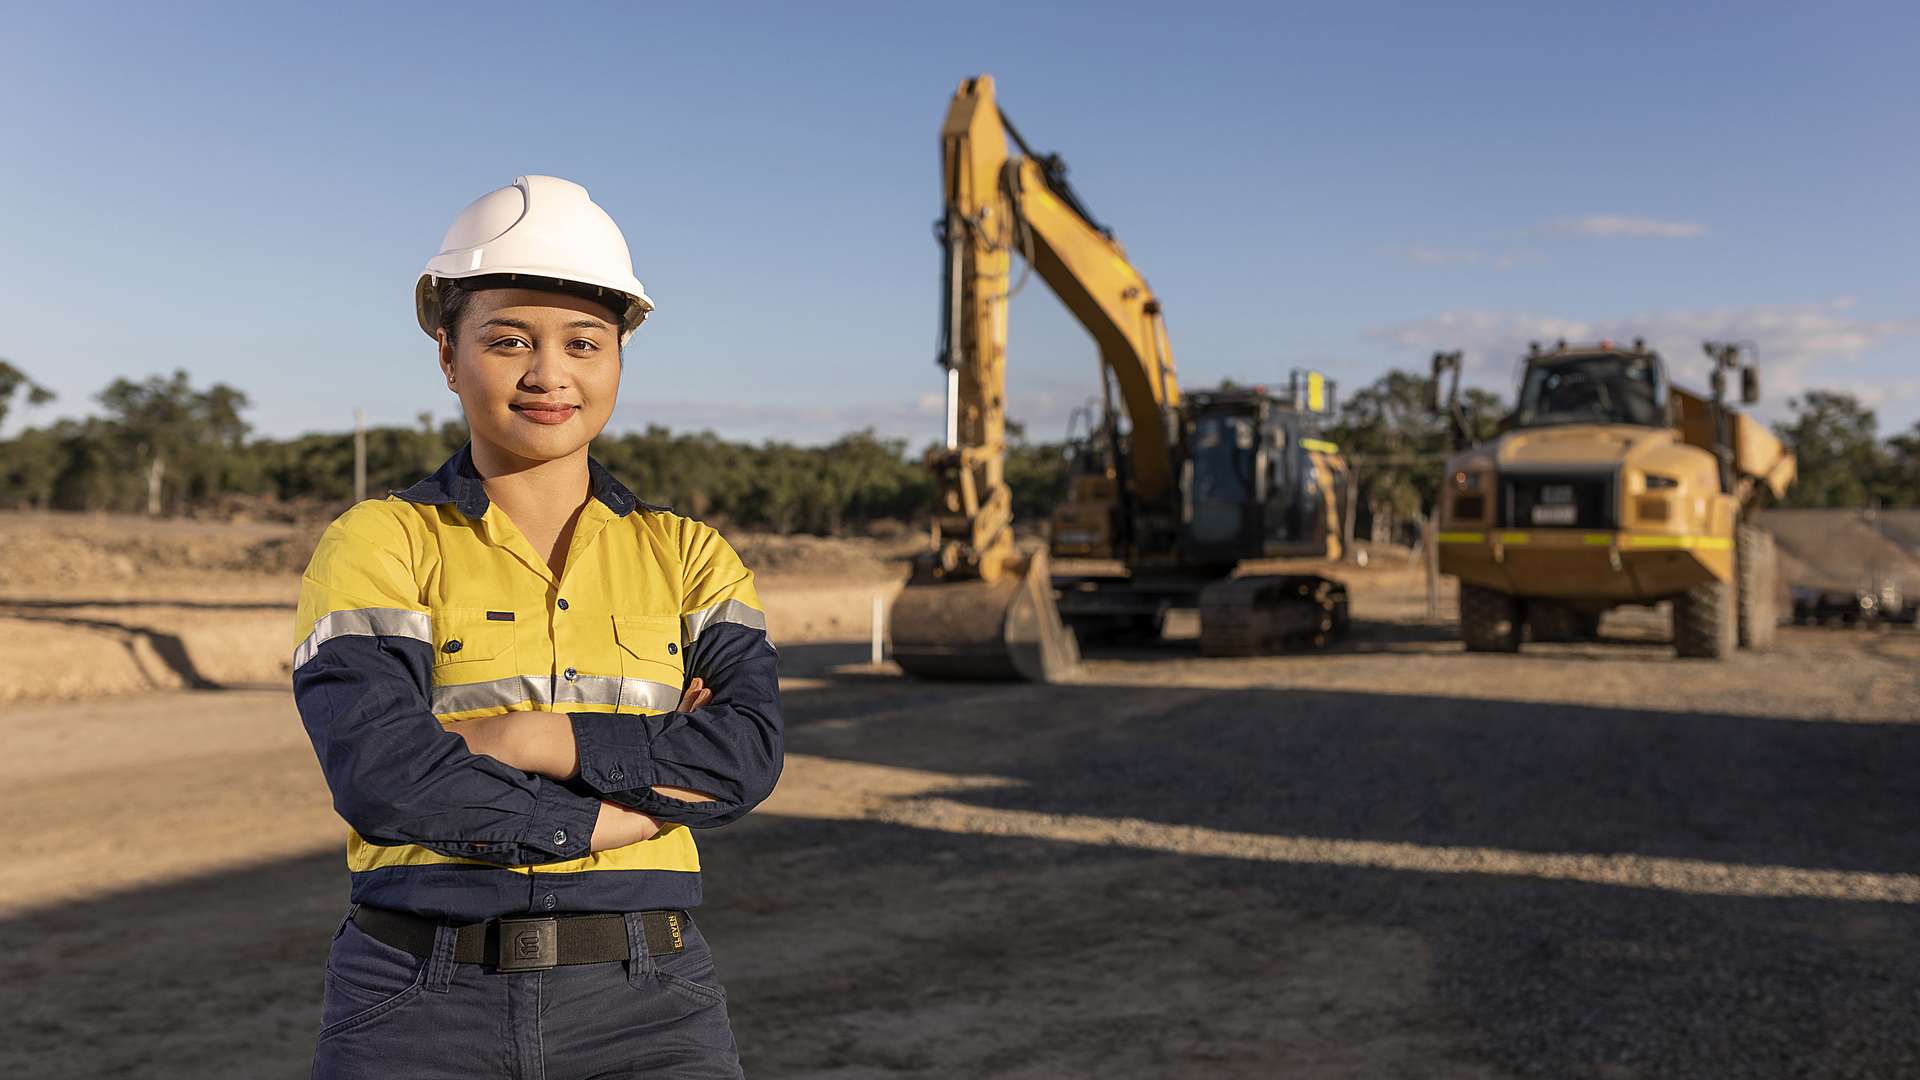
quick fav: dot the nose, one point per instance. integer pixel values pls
(546, 370)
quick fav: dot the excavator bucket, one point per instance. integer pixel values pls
(1005, 630)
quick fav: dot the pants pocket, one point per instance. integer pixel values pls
(691, 972)
(366, 979)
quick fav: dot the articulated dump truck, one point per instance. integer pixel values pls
(1610, 486)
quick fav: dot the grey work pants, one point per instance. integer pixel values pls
(389, 1014)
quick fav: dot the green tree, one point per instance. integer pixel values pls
(166, 426)
(1834, 437)
(30, 467)
(1398, 447)
(14, 381)
(1900, 483)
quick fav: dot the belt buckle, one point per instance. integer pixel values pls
(528, 945)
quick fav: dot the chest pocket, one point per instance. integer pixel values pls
(650, 652)
(468, 646)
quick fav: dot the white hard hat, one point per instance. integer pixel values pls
(541, 227)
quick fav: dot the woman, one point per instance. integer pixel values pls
(526, 687)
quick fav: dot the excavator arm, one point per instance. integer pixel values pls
(998, 204)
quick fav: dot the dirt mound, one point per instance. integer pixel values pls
(30, 560)
(1843, 549)
(40, 550)
(859, 558)
(1900, 526)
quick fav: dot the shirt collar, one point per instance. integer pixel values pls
(457, 482)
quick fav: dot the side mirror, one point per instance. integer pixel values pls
(1749, 385)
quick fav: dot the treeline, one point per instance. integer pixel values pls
(163, 446)
(1843, 460)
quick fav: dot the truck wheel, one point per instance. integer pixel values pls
(1757, 567)
(1548, 621)
(1704, 621)
(1489, 620)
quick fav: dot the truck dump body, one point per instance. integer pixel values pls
(1758, 455)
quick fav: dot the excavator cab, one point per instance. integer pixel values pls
(1257, 482)
(1229, 454)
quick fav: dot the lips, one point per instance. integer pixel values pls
(545, 414)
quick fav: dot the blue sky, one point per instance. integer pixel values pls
(249, 191)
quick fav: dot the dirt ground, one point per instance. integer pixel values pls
(1384, 859)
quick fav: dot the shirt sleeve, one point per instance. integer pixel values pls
(732, 747)
(362, 681)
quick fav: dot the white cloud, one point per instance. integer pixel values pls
(1800, 346)
(1623, 225)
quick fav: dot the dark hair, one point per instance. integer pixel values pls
(456, 293)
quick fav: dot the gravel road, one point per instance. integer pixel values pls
(1388, 860)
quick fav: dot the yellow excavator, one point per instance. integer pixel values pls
(1193, 486)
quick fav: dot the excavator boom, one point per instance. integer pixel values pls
(978, 606)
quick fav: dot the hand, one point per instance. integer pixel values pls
(618, 826)
(697, 695)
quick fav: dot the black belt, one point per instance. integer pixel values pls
(530, 944)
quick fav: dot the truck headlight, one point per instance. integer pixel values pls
(1656, 482)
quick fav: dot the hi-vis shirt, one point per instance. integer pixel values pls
(429, 608)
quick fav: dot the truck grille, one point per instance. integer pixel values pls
(1562, 501)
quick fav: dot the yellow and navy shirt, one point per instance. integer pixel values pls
(429, 608)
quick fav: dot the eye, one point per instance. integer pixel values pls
(582, 345)
(511, 342)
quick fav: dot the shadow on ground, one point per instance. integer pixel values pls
(857, 948)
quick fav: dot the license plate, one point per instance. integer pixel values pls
(1553, 515)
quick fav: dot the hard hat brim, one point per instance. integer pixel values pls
(426, 294)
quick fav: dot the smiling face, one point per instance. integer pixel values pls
(537, 372)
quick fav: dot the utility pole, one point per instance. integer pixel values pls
(1430, 539)
(359, 455)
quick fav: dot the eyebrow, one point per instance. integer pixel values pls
(522, 324)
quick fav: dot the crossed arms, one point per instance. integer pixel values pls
(542, 743)
(530, 788)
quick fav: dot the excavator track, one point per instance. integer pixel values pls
(1266, 614)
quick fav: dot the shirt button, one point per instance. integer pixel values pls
(559, 838)
(571, 674)
(672, 648)
(549, 901)
(561, 603)
(451, 646)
